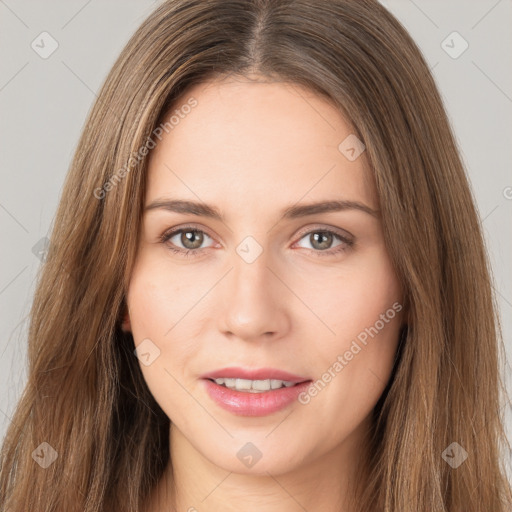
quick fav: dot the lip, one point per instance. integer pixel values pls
(254, 404)
(254, 374)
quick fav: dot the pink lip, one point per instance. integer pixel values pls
(254, 404)
(256, 374)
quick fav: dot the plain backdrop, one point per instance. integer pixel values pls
(45, 96)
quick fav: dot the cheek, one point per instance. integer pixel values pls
(362, 307)
(166, 307)
(356, 375)
(360, 296)
(158, 299)
(158, 304)
(147, 302)
(369, 305)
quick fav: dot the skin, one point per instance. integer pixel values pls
(252, 148)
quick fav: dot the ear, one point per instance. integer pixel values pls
(126, 326)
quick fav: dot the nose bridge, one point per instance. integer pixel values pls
(250, 279)
(253, 306)
(250, 273)
(250, 286)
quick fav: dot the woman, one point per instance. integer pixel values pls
(267, 287)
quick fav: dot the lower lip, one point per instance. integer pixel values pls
(254, 404)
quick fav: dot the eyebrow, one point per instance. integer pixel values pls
(291, 212)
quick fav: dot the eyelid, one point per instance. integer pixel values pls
(344, 234)
(169, 233)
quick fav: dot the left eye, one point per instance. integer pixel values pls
(322, 240)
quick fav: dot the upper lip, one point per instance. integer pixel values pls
(254, 374)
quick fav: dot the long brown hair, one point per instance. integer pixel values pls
(86, 396)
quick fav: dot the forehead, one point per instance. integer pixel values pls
(246, 144)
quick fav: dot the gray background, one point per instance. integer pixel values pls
(44, 102)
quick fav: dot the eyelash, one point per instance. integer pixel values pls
(191, 253)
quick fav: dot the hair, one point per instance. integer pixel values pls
(86, 395)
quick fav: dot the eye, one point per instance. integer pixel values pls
(188, 240)
(321, 242)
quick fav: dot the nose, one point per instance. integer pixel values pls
(255, 302)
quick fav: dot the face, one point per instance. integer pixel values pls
(260, 285)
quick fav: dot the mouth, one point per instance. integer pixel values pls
(254, 392)
(258, 380)
(253, 386)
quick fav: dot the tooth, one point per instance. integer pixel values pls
(230, 383)
(253, 386)
(243, 384)
(276, 384)
(262, 385)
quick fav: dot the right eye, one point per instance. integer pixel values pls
(190, 239)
